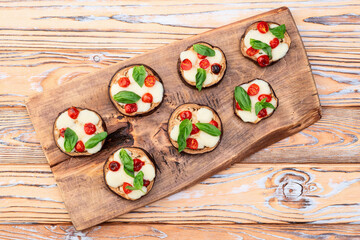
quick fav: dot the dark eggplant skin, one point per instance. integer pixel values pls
(197, 106)
(77, 154)
(273, 93)
(194, 85)
(105, 170)
(117, 106)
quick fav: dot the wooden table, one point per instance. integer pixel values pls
(311, 179)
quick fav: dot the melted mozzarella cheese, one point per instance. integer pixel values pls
(94, 149)
(64, 121)
(217, 58)
(174, 134)
(142, 106)
(117, 179)
(190, 75)
(209, 78)
(157, 91)
(86, 116)
(189, 54)
(204, 115)
(80, 132)
(207, 140)
(61, 142)
(148, 170)
(136, 194)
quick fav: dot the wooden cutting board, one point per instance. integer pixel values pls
(81, 181)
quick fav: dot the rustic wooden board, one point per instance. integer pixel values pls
(80, 180)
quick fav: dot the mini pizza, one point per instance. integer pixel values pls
(136, 90)
(265, 42)
(79, 132)
(194, 129)
(130, 173)
(202, 65)
(254, 101)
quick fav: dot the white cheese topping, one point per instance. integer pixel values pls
(207, 140)
(157, 91)
(61, 142)
(64, 121)
(117, 179)
(204, 115)
(189, 54)
(86, 116)
(264, 89)
(217, 58)
(136, 194)
(174, 134)
(190, 75)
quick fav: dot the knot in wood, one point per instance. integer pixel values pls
(292, 190)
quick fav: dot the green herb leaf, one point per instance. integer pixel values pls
(70, 140)
(261, 105)
(209, 129)
(243, 99)
(278, 31)
(184, 131)
(139, 75)
(203, 50)
(93, 141)
(256, 44)
(127, 162)
(138, 182)
(126, 97)
(200, 78)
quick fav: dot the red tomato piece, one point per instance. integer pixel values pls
(192, 143)
(263, 60)
(262, 113)
(185, 115)
(263, 27)
(126, 191)
(89, 128)
(124, 82)
(195, 129)
(251, 51)
(238, 106)
(138, 164)
(147, 98)
(204, 64)
(215, 123)
(262, 96)
(114, 166)
(73, 112)
(150, 81)
(146, 182)
(130, 108)
(201, 56)
(274, 43)
(186, 64)
(62, 132)
(80, 147)
(253, 89)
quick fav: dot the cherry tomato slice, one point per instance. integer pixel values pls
(192, 143)
(114, 166)
(262, 96)
(130, 108)
(89, 128)
(185, 115)
(186, 65)
(150, 81)
(253, 89)
(138, 164)
(201, 56)
(262, 113)
(194, 130)
(126, 191)
(146, 182)
(263, 60)
(124, 82)
(238, 106)
(62, 132)
(80, 147)
(204, 64)
(274, 43)
(263, 27)
(147, 98)
(73, 112)
(215, 123)
(251, 51)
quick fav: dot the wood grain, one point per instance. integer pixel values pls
(81, 181)
(251, 193)
(179, 232)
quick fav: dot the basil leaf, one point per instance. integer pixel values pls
(93, 141)
(139, 75)
(256, 44)
(128, 162)
(278, 31)
(200, 78)
(126, 97)
(243, 99)
(203, 50)
(138, 182)
(70, 140)
(261, 105)
(209, 129)
(184, 131)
